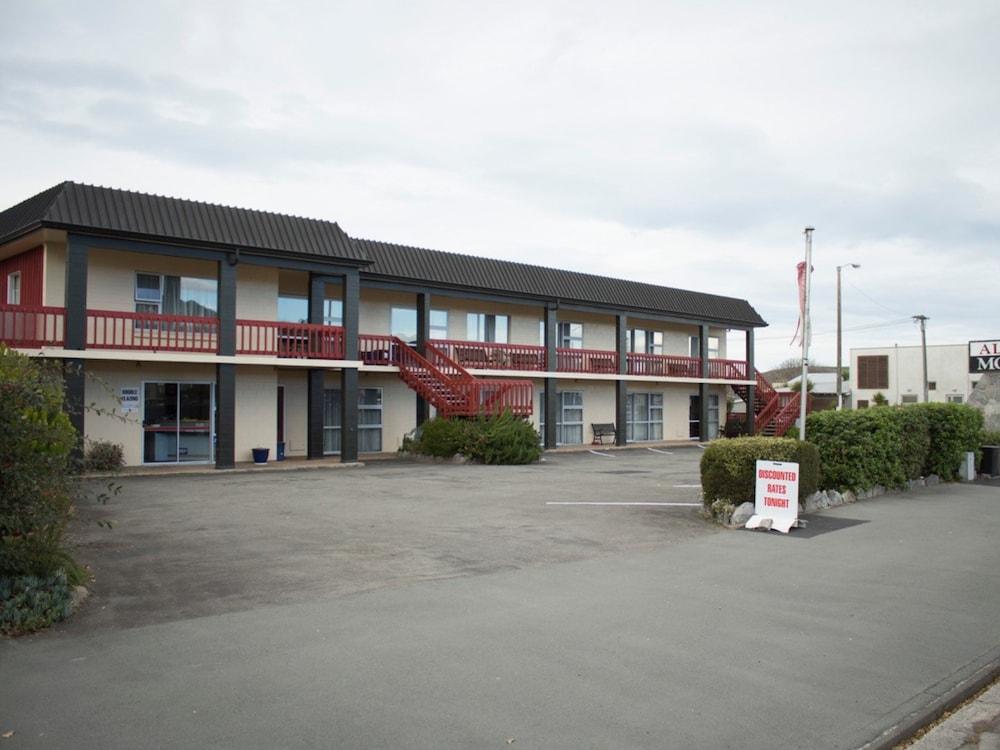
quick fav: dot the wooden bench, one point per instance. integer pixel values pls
(602, 431)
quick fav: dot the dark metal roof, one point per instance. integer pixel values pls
(73, 206)
(414, 264)
(109, 211)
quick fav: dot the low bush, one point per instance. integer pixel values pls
(502, 439)
(104, 456)
(728, 467)
(29, 603)
(989, 437)
(954, 430)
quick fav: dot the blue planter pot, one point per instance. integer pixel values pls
(260, 455)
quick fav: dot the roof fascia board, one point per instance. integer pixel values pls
(531, 301)
(186, 250)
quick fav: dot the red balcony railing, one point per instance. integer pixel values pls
(664, 365)
(586, 360)
(727, 369)
(492, 356)
(31, 327)
(291, 340)
(111, 329)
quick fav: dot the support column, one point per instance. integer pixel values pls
(225, 374)
(703, 386)
(316, 376)
(349, 376)
(423, 334)
(751, 423)
(75, 337)
(551, 365)
(621, 390)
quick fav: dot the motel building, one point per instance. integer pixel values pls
(897, 372)
(213, 330)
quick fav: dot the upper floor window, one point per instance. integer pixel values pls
(571, 335)
(644, 342)
(485, 327)
(713, 346)
(176, 295)
(14, 288)
(873, 371)
(294, 309)
(403, 323)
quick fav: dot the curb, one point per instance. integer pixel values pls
(978, 678)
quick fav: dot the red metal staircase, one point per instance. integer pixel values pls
(443, 382)
(774, 411)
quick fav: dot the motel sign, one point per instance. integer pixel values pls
(984, 356)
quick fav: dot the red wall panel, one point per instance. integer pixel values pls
(31, 266)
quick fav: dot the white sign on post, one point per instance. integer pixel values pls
(129, 398)
(777, 495)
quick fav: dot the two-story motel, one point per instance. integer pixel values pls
(215, 330)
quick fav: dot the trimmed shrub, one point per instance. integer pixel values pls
(955, 429)
(728, 467)
(29, 603)
(989, 437)
(104, 456)
(861, 449)
(502, 439)
(914, 440)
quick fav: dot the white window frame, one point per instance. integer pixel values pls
(566, 338)
(478, 327)
(159, 300)
(211, 423)
(561, 421)
(695, 346)
(652, 424)
(336, 428)
(14, 288)
(652, 341)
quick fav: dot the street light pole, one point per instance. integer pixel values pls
(840, 395)
(922, 319)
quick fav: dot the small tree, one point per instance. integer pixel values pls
(879, 400)
(36, 440)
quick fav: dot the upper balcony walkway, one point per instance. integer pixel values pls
(43, 327)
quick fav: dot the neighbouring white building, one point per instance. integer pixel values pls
(897, 373)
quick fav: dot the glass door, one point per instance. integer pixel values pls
(177, 423)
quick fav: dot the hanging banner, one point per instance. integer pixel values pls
(800, 271)
(777, 496)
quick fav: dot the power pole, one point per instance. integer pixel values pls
(840, 388)
(922, 319)
(806, 334)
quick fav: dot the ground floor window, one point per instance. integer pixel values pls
(954, 398)
(177, 422)
(644, 416)
(569, 417)
(369, 420)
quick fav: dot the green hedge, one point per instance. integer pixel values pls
(954, 430)
(728, 467)
(989, 437)
(886, 446)
(503, 439)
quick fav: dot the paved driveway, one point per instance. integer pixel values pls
(189, 546)
(450, 607)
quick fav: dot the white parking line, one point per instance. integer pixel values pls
(687, 486)
(598, 453)
(657, 450)
(664, 505)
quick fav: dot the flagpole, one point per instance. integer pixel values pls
(806, 335)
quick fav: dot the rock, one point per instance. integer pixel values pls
(742, 514)
(932, 479)
(765, 524)
(835, 498)
(849, 497)
(812, 502)
(79, 596)
(877, 490)
(912, 484)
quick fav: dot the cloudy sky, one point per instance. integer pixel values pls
(685, 144)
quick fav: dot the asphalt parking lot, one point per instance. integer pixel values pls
(442, 606)
(189, 546)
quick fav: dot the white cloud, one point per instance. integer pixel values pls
(677, 143)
